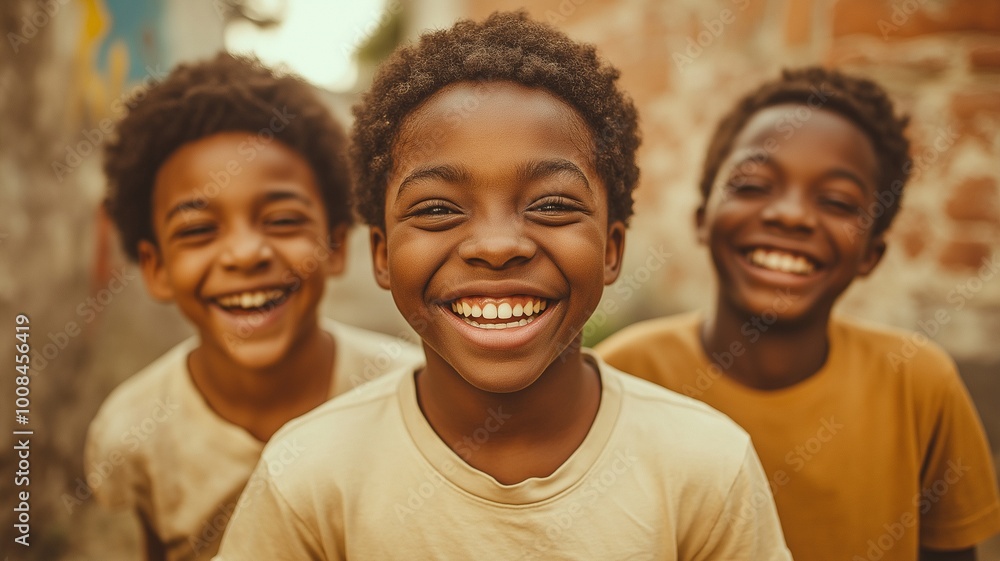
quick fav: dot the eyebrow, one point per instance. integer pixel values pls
(269, 197)
(528, 172)
(545, 168)
(762, 157)
(850, 176)
(759, 157)
(190, 204)
(281, 195)
(446, 173)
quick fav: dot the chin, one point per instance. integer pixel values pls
(256, 356)
(501, 380)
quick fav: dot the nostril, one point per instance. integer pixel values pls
(497, 251)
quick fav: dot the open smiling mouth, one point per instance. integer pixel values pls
(499, 313)
(253, 301)
(781, 261)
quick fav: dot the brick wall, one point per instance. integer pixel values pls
(686, 61)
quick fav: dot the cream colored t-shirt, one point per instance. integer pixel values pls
(157, 447)
(365, 477)
(879, 452)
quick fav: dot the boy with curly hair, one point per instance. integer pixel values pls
(229, 185)
(497, 163)
(870, 455)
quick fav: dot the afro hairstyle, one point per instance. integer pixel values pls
(860, 100)
(507, 46)
(223, 94)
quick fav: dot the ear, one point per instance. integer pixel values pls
(336, 261)
(876, 249)
(614, 248)
(380, 256)
(699, 224)
(154, 272)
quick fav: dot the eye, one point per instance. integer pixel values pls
(746, 186)
(434, 214)
(841, 206)
(557, 210)
(557, 204)
(284, 221)
(433, 208)
(194, 232)
(437, 210)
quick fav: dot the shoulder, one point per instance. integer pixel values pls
(120, 440)
(676, 329)
(643, 345)
(364, 355)
(686, 427)
(664, 350)
(694, 452)
(354, 334)
(339, 442)
(348, 422)
(150, 393)
(372, 344)
(911, 355)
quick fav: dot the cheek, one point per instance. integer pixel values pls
(581, 252)
(186, 268)
(303, 256)
(410, 258)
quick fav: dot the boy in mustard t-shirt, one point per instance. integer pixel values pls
(229, 185)
(496, 163)
(871, 455)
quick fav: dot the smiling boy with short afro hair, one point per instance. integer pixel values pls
(873, 452)
(228, 184)
(498, 181)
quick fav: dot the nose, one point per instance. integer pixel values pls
(246, 249)
(790, 209)
(497, 244)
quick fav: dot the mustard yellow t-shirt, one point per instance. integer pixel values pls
(877, 454)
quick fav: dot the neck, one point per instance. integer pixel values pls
(261, 399)
(765, 356)
(528, 433)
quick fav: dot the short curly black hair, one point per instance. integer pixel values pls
(226, 93)
(860, 100)
(507, 46)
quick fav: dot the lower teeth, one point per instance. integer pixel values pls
(520, 323)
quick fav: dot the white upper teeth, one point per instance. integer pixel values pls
(249, 300)
(781, 261)
(503, 310)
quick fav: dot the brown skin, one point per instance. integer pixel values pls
(267, 229)
(803, 199)
(504, 203)
(804, 196)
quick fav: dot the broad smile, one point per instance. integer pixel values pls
(252, 300)
(781, 261)
(500, 322)
(498, 313)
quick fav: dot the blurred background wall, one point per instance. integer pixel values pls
(67, 66)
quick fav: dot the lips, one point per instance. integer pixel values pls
(498, 313)
(782, 261)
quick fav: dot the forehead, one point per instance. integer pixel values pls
(799, 134)
(472, 120)
(228, 167)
